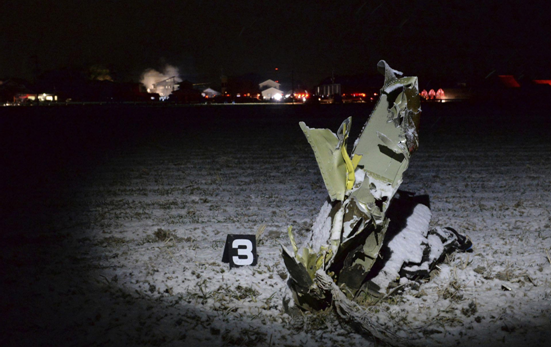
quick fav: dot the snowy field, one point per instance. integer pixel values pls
(113, 228)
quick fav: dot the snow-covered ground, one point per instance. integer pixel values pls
(127, 249)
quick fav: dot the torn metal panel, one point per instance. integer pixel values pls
(390, 135)
(336, 167)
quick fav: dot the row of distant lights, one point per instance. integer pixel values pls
(41, 97)
(278, 96)
(361, 95)
(430, 95)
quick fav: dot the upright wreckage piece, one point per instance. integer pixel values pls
(349, 231)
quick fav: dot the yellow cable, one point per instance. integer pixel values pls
(350, 164)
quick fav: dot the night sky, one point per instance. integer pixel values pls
(460, 39)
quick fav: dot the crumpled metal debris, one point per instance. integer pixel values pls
(349, 231)
(411, 249)
(351, 227)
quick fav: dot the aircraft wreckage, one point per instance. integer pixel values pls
(368, 233)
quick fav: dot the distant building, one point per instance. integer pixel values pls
(165, 87)
(269, 84)
(272, 93)
(186, 94)
(542, 82)
(327, 90)
(210, 93)
(532, 88)
(353, 88)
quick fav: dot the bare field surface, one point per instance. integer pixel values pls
(124, 247)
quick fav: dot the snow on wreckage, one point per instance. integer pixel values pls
(368, 234)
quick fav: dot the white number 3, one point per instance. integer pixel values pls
(247, 252)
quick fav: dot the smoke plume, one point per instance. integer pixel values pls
(163, 83)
